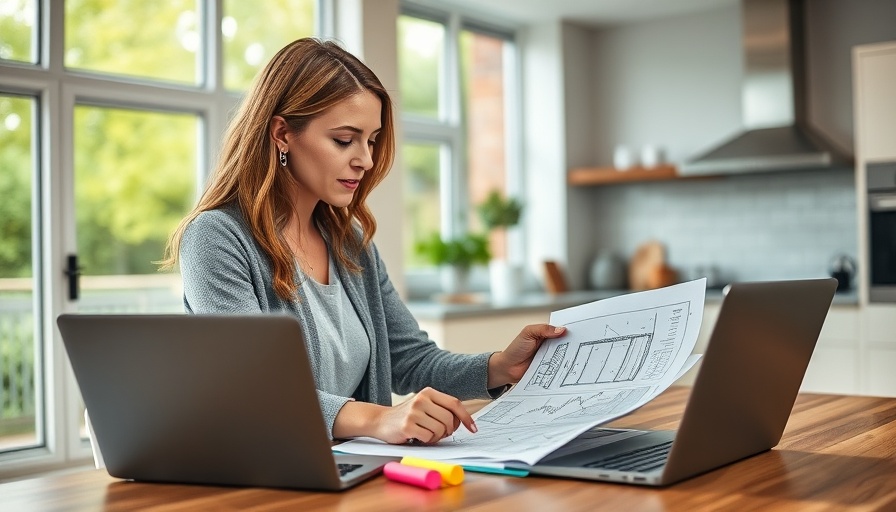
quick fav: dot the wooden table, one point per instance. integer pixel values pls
(838, 452)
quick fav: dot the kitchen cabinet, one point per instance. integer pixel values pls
(835, 365)
(855, 354)
(874, 78)
(878, 376)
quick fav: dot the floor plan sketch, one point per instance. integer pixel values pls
(613, 360)
(619, 354)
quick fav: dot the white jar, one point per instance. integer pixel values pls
(651, 156)
(623, 158)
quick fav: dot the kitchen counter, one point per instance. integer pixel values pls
(537, 301)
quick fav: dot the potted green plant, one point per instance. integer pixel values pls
(455, 256)
(499, 213)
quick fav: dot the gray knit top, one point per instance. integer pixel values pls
(225, 271)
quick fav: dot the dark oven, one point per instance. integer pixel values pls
(882, 231)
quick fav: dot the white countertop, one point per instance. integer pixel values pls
(534, 301)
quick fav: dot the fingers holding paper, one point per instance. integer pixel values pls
(509, 365)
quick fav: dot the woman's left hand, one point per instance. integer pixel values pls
(508, 367)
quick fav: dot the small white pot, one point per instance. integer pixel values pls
(505, 281)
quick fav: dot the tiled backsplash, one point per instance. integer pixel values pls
(751, 227)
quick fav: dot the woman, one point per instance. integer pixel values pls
(284, 227)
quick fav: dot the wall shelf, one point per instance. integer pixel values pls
(610, 175)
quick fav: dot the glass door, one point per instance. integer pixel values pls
(20, 338)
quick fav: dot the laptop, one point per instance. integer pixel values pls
(739, 403)
(206, 399)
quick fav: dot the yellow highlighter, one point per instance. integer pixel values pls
(452, 474)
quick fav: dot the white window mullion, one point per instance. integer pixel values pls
(416, 127)
(454, 205)
(65, 183)
(448, 224)
(325, 24)
(211, 53)
(62, 390)
(513, 149)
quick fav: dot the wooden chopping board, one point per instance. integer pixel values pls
(642, 267)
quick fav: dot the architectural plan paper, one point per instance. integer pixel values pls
(617, 355)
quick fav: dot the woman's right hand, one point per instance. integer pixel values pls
(427, 417)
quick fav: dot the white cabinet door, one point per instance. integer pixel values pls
(834, 367)
(879, 364)
(840, 364)
(875, 101)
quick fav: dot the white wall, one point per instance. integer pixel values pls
(833, 28)
(673, 82)
(368, 30)
(544, 139)
(580, 125)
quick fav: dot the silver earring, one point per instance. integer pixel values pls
(282, 158)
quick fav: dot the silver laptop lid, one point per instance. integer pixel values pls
(751, 373)
(207, 399)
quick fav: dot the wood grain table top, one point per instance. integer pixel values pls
(837, 453)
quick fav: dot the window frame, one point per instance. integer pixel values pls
(56, 91)
(449, 130)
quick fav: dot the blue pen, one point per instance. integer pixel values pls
(497, 471)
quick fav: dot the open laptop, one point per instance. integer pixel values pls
(206, 399)
(739, 404)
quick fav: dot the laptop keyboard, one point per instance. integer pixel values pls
(640, 460)
(596, 433)
(344, 469)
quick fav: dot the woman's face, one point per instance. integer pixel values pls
(329, 157)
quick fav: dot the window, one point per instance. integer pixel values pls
(104, 146)
(18, 22)
(115, 38)
(458, 89)
(18, 350)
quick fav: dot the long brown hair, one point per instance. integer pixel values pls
(300, 82)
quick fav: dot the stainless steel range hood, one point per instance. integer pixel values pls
(776, 136)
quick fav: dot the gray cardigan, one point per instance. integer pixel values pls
(225, 271)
